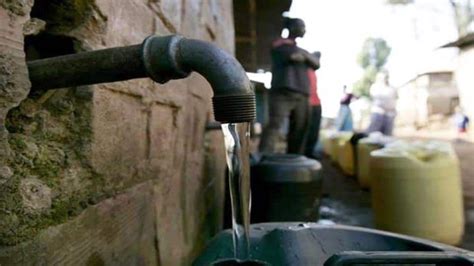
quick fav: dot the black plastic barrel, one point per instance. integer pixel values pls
(286, 187)
(354, 142)
(296, 244)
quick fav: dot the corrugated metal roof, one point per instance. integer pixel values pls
(257, 24)
(464, 41)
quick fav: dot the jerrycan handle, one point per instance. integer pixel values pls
(347, 258)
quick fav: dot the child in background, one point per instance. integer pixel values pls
(462, 122)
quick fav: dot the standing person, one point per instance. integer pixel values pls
(315, 112)
(462, 122)
(290, 89)
(384, 101)
(344, 120)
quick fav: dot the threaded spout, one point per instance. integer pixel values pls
(234, 99)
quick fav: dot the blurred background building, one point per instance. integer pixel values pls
(428, 95)
(463, 72)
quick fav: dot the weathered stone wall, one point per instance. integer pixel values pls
(117, 174)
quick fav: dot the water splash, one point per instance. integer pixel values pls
(237, 155)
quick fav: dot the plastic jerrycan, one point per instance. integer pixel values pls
(364, 147)
(335, 139)
(324, 137)
(345, 156)
(416, 190)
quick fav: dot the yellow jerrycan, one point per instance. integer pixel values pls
(324, 137)
(345, 156)
(364, 147)
(416, 190)
(334, 140)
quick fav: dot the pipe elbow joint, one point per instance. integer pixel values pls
(160, 58)
(175, 57)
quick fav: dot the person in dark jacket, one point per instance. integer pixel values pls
(290, 90)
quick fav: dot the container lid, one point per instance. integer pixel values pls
(283, 157)
(417, 151)
(293, 160)
(377, 138)
(340, 135)
(289, 168)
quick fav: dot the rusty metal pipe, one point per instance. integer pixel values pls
(109, 65)
(161, 59)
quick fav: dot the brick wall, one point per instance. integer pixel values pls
(119, 173)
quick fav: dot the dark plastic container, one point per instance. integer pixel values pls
(354, 142)
(286, 187)
(312, 244)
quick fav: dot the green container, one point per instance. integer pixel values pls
(297, 244)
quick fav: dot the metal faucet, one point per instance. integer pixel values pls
(161, 59)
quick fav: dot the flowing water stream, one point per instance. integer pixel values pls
(237, 155)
